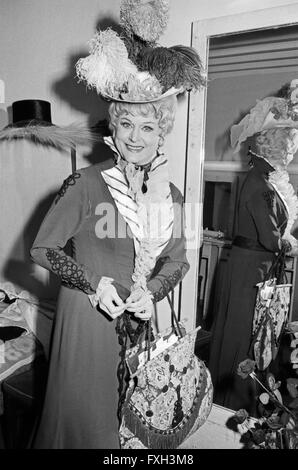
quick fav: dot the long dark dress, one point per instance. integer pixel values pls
(260, 223)
(80, 409)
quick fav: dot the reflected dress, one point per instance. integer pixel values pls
(80, 408)
(261, 219)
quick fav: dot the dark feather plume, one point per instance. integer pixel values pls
(176, 66)
(192, 65)
(135, 46)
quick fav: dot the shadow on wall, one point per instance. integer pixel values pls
(85, 100)
(19, 268)
(222, 146)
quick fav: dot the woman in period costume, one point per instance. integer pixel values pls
(122, 217)
(266, 210)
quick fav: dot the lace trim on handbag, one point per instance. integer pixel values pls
(71, 274)
(70, 181)
(167, 285)
(269, 197)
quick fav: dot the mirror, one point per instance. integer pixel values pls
(247, 57)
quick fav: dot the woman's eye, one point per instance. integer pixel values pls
(125, 124)
(147, 129)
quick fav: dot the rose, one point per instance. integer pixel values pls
(245, 368)
(240, 416)
(258, 436)
(292, 386)
(264, 398)
(274, 422)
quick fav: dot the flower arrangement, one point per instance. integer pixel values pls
(277, 428)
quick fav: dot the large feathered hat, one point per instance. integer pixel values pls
(268, 113)
(131, 66)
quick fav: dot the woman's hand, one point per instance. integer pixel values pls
(110, 302)
(140, 304)
(293, 246)
(293, 251)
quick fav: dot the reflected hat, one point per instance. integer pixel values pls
(268, 113)
(132, 67)
(32, 120)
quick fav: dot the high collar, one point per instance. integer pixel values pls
(261, 164)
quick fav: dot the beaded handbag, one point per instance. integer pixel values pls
(170, 391)
(270, 314)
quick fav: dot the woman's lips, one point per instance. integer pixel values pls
(134, 148)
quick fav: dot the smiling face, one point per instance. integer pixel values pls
(136, 137)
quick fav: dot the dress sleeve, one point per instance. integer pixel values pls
(263, 208)
(172, 265)
(63, 220)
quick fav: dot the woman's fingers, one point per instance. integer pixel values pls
(143, 315)
(134, 298)
(138, 306)
(138, 300)
(112, 310)
(111, 303)
(139, 303)
(115, 298)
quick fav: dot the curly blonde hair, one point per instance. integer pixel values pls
(163, 110)
(275, 144)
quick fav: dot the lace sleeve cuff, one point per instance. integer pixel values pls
(165, 285)
(104, 281)
(287, 244)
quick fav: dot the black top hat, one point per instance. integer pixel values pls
(31, 113)
(31, 119)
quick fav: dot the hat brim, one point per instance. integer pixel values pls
(29, 123)
(170, 92)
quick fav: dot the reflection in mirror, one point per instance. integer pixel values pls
(242, 68)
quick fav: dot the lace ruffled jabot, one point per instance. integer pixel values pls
(280, 180)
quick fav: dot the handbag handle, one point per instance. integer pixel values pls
(174, 316)
(277, 268)
(175, 326)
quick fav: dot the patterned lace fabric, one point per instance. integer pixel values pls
(269, 197)
(167, 285)
(70, 181)
(70, 273)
